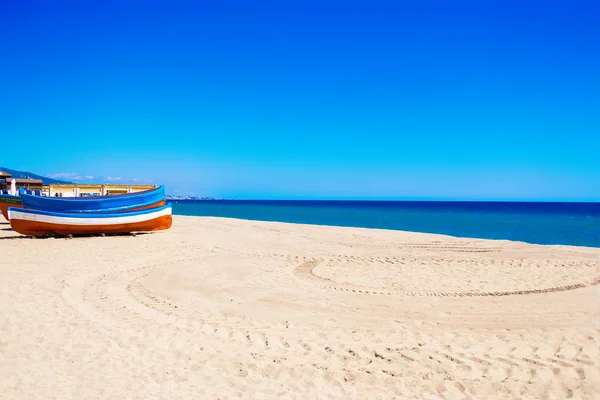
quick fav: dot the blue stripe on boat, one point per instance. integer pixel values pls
(100, 203)
(124, 208)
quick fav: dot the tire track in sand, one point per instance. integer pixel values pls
(305, 270)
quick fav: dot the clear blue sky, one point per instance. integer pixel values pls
(392, 100)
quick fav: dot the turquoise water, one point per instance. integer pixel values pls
(543, 223)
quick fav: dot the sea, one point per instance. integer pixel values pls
(576, 224)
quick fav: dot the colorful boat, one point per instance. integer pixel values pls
(44, 223)
(94, 204)
(6, 200)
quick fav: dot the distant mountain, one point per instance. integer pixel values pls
(23, 175)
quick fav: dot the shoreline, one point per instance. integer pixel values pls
(221, 308)
(392, 230)
(440, 235)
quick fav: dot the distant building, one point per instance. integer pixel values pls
(56, 188)
(91, 189)
(4, 180)
(24, 182)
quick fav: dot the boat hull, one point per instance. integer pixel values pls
(42, 223)
(93, 204)
(9, 201)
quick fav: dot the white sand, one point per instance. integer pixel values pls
(221, 308)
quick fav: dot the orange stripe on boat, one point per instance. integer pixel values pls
(36, 228)
(158, 204)
(4, 208)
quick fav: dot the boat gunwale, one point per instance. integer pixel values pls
(9, 196)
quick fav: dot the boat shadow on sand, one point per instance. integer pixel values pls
(95, 236)
(14, 237)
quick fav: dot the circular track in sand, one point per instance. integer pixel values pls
(448, 277)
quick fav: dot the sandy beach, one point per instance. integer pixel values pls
(222, 308)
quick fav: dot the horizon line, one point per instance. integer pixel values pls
(216, 198)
